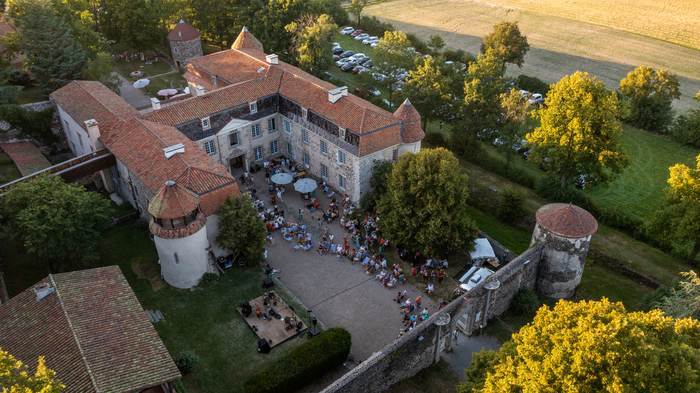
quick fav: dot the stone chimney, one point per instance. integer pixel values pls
(94, 133)
(272, 59)
(336, 94)
(155, 103)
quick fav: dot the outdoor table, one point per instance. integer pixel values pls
(301, 174)
(493, 263)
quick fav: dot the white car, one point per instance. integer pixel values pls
(340, 62)
(374, 45)
(358, 56)
(336, 45)
(362, 37)
(347, 30)
(370, 40)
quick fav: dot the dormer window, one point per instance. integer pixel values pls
(205, 123)
(253, 107)
(213, 80)
(304, 112)
(342, 133)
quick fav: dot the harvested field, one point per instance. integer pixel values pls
(561, 44)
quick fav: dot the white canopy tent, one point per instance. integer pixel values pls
(482, 250)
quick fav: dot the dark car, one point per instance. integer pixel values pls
(367, 63)
(348, 66)
(545, 164)
(365, 59)
(347, 54)
(336, 57)
(338, 50)
(358, 69)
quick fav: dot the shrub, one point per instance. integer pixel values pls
(374, 26)
(418, 44)
(436, 139)
(367, 202)
(686, 129)
(186, 361)
(208, 279)
(179, 387)
(18, 77)
(302, 364)
(510, 207)
(549, 187)
(532, 84)
(9, 94)
(525, 302)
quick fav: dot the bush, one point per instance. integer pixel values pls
(367, 202)
(419, 45)
(186, 361)
(374, 26)
(436, 139)
(18, 77)
(208, 279)
(179, 387)
(525, 302)
(532, 84)
(686, 129)
(9, 94)
(303, 364)
(510, 207)
(549, 187)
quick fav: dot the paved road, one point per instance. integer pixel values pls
(132, 95)
(338, 292)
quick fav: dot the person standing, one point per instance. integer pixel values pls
(301, 214)
(279, 196)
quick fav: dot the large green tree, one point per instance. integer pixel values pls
(58, 222)
(53, 56)
(140, 24)
(687, 127)
(514, 112)
(436, 43)
(425, 206)
(392, 56)
(271, 20)
(356, 7)
(580, 132)
(101, 69)
(428, 90)
(506, 39)
(683, 300)
(651, 94)
(594, 346)
(311, 43)
(15, 378)
(241, 231)
(220, 22)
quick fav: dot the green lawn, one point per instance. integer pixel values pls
(124, 68)
(8, 169)
(174, 79)
(513, 237)
(31, 94)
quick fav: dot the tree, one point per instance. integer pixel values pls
(220, 22)
(510, 45)
(651, 93)
(513, 114)
(381, 173)
(580, 132)
(311, 42)
(425, 205)
(428, 90)
(683, 302)
(140, 24)
(100, 69)
(14, 377)
(392, 57)
(33, 124)
(687, 127)
(436, 43)
(596, 346)
(356, 7)
(241, 230)
(53, 57)
(275, 15)
(8, 95)
(58, 222)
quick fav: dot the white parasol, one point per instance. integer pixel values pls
(141, 83)
(282, 178)
(305, 185)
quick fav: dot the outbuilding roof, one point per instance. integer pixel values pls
(566, 220)
(91, 330)
(183, 32)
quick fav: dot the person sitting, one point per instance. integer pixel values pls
(409, 309)
(381, 275)
(430, 289)
(320, 248)
(391, 283)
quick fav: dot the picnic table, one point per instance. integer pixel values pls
(493, 263)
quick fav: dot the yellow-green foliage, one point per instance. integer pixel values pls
(15, 379)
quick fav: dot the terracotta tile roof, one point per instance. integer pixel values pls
(178, 233)
(183, 32)
(85, 100)
(228, 65)
(380, 140)
(566, 220)
(246, 40)
(92, 331)
(201, 181)
(173, 201)
(410, 119)
(212, 200)
(26, 156)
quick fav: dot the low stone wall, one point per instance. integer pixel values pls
(422, 346)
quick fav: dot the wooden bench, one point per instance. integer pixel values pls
(300, 175)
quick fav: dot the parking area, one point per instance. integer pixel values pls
(337, 292)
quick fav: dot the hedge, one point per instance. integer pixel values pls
(303, 364)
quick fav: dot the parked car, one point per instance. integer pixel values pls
(338, 50)
(498, 142)
(335, 44)
(347, 54)
(374, 91)
(358, 56)
(361, 37)
(534, 99)
(370, 40)
(328, 75)
(396, 86)
(520, 147)
(368, 63)
(356, 33)
(374, 45)
(362, 93)
(545, 164)
(336, 57)
(340, 62)
(357, 69)
(348, 66)
(347, 30)
(378, 77)
(486, 134)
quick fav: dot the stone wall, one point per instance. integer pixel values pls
(185, 50)
(13, 135)
(421, 347)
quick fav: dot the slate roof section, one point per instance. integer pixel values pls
(173, 201)
(410, 119)
(183, 32)
(92, 331)
(566, 220)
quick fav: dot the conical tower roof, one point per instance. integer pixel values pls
(566, 220)
(410, 118)
(183, 32)
(173, 201)
(246, 40)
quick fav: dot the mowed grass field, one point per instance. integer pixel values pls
(566, 36)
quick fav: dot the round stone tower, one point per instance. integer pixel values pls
(184, 43)
(565, 231)
(179, 229)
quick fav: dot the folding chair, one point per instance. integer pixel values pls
(296, 248)
(332, 248)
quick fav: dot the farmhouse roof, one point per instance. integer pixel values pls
(91, 330)
(566, 220)
(183, 32)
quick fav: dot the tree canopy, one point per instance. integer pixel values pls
(221, 21)
(425, 205)
(101, 69)
(651, 94)
(687, 127)
(60, 223)
(14, 377)
(392, 56)
(138, 23)
(593, 346)
(240, 229)
(509, 44)
(311, 42)
(580, 131)
(428, 89)
(513, 114)
(436, 42)
(356, 7)
(683, 301)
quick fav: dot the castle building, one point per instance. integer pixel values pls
(246, 108)
(185, 43)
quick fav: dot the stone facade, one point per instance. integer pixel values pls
(182, 51)
(132, 189)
